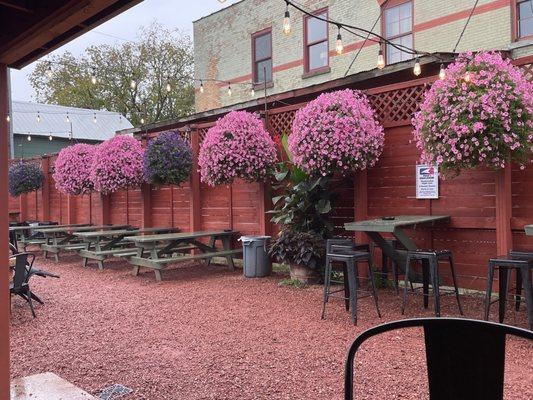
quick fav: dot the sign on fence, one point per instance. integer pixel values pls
(427, 182)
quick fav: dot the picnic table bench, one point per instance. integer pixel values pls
(64, 238)
(103, 244)
(157, 251)
(30, 235)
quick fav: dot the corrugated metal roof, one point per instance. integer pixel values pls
(53, 120)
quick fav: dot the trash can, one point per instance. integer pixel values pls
(255, 256)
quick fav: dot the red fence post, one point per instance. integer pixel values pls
(504, 237)
(146, 198)
(45, 192)
(23, 206)
(264, 206)
(105, 201)
(194, 200)
(361, 202)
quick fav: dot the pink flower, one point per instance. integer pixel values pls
(72, 169)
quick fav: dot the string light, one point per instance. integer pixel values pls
(169, 87)
(142, 121)
(287, 22)
(94, 118)
(67, 119)
(381, 59)
(50, 137)
(467, 76)
(8, 118)
(133, 83)
(38, 117)
(201, 87)
(29, 137)
(49, 72)
(252, 92)
(93, 76)
(417, 70)
(442, 72)
(339, 47)
(229, 90)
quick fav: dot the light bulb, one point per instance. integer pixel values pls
(442, 72)
(94, 118)
(201, 87)
(417, 70)
(38, 117)
(339, 47)
(467, 76)
(8, 118)
(133, 84)
(93, 80)
(50, 137)
(49, 71)
(287, 22)
(142, 120)
(252, 92)
(381, 60)
(67, 119)
(169, 88)
(29, 137)
(229, 90)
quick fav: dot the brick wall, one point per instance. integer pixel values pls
(223, 40)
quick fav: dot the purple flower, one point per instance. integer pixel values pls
(24, 177)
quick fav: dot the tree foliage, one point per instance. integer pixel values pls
(161, 56)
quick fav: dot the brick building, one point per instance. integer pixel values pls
(240, 43)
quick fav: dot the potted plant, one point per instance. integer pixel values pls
(302, 251)
(24, 177)
(238, 146)
(167, 159)
(72, 169)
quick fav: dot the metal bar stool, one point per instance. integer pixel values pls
(430, 275)
(350, 255)
(505, 264)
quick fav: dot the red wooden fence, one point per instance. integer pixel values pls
(488, 209)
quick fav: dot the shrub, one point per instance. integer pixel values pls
(336, 132)
(238, 146)
(72, 169)
(24, 177)
(117, 164)
(167, 160)
(304, 249)
(479, 115)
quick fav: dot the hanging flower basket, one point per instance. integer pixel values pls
(117, 164)
(167, 160)
(336, 132)
(238, 146)
(24, 177)
(72, 167)
(479, 115)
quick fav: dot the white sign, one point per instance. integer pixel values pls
(427, 182)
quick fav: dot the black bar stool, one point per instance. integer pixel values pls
(430, 275)
(523, 266)
(350, 255)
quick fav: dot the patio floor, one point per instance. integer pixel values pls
(205, 333)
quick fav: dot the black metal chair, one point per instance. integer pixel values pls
(465, 358)
(430, 276)
(345, 251)
(20, 285)
(522, 265)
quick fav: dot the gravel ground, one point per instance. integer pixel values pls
(205, 333)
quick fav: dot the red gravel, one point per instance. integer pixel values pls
(205, 333)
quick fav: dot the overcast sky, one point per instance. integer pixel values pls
(169, 13)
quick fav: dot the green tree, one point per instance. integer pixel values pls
(159, 58)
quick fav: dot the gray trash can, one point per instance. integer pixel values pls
(255, 256)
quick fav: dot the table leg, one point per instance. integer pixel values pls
(212, 242)
(502, 276)
(528, 291)
(226, 244)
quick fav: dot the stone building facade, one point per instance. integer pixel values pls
(238, 44)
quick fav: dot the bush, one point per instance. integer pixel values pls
(167, 160)
(238, 146)
(117, 164)
(24, 177)
(304, 249)
(336, 132)
(72, 169)
(479, 115)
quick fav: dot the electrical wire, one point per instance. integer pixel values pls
(466, 25)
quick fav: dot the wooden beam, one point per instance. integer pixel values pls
(19, 5)
(146, 199)
(5, 317)
(45, 192)
(504, 237)
(361, 202)
(194, 199)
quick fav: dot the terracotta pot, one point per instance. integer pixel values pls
(303, 274)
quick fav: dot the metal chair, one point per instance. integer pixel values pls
(430, 275)
(350, 255)
(20, 284)
(465, 358)
(523, 266)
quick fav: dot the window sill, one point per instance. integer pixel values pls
(259, 86)
(521, 42)
(316, 72)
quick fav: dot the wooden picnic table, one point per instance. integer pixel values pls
(103, 244)
(63, 238)
(374, 229)
(529, 230)
(29, 235)
(156, 251)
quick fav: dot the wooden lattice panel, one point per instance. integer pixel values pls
(280, 123)
(397, 106)
(201, 134)
(527, 69)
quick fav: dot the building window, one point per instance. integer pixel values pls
(316, 42)
(262, 56)
(398, 28)
(524, 18)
